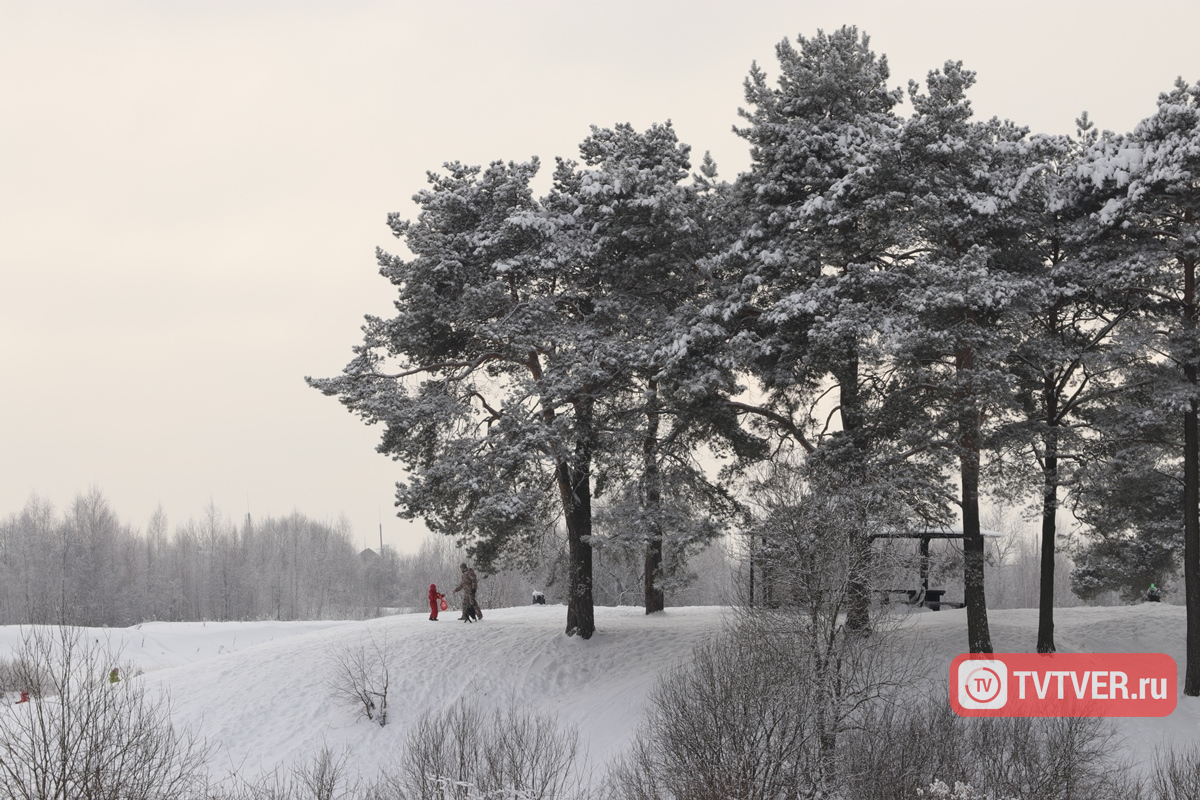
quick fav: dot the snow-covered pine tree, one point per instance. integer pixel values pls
(1155, 210)
(812, 275)
(811, 240)
(1128, 490)
(968, 289)
(1124, 485)
(1076, 346)
(488, 377)
(1129, 493)
(633, 234)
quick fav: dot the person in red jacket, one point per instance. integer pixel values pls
(434, 597)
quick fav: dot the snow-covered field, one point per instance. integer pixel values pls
(259, 690)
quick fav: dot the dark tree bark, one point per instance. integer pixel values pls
(1050, 482)
(1191, 494)
(979, 637)
(654, 598)
(1045, 636)
(574, 482)
(858, 590)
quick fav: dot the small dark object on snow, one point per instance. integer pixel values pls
(1153, 594)
(539, 599)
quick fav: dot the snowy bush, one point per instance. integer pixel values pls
(745, 718)
(731, 723)
(463, 753)
(460, 753)
(812, 539)
(901, 747)
(939, 790)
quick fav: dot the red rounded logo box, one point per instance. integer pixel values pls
(1063, 684)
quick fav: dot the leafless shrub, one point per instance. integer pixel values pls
(465, 754)
(901, 748)
(20, 675)
(82, 737)
(324, 777)
(1176, 775)
(360, 674)
(745, 719)
(730, 723)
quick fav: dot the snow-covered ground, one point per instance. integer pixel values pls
(259, 690)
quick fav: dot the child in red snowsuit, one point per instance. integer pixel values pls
(434, 597)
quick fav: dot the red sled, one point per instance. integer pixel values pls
(444, 604)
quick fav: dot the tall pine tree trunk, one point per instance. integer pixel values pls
(1045, 636)
(654, 599)
(574, 483)
(978, 635)
(858, 589)
(979, 638)
(1191, 494)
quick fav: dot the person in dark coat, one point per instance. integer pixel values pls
(468, 585)
(434, 597)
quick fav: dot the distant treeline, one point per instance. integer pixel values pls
(84, 566)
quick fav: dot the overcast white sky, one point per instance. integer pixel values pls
(191, 193)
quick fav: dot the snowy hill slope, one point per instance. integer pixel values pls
(271, 703)
(260, 690)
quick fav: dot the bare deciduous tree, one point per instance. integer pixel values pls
(813, 530)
